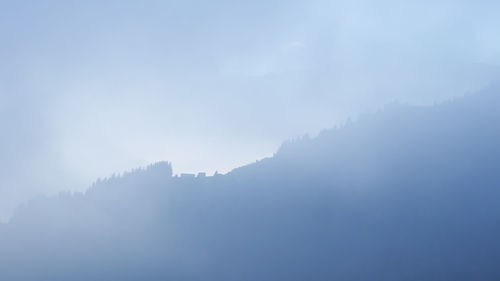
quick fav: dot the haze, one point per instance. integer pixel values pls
(91, 88)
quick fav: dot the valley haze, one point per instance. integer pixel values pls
(91, 88)
(407, 193)
(217, 140)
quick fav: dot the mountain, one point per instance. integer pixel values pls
(407, 193)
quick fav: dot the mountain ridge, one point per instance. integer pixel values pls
(408, 193)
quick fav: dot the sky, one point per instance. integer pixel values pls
(91, 88)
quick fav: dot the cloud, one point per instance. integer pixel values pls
(295, 45)
(139, 78)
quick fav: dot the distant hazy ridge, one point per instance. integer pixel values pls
(408, 193)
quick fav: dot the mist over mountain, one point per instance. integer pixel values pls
(407, 193)
(88, 88)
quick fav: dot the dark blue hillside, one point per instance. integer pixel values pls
(408, 193)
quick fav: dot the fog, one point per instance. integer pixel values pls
(92, 88)
(406, 193)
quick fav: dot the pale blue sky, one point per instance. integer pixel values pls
(88, 88)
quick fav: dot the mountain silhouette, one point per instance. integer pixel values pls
(406, 193)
